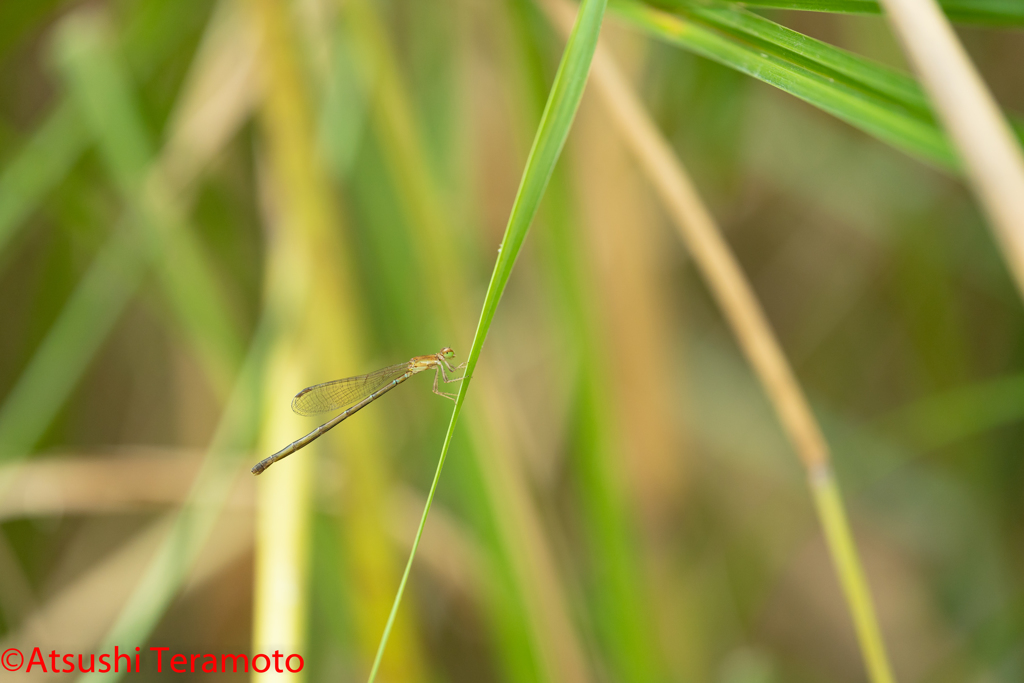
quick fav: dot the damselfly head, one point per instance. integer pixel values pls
(447, 353)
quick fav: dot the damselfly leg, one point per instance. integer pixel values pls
(440, 371)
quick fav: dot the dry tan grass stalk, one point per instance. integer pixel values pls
(129, 479)
(735, 296)
(969, 113)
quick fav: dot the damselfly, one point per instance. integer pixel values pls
(358, 392)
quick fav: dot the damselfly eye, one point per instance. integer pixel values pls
(448, 353)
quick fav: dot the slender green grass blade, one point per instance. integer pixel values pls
(552, 132)
(70, 344)
(874, 99)
(992, 12)
(37, 169)
(58, 143)
(843, 67)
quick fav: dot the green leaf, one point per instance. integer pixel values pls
(881, 102)
(555, 123)
(39, 167)
(993, 12)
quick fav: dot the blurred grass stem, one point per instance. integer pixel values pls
(310, 271)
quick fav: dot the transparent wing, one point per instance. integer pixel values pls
(341, 393)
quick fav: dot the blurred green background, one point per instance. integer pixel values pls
(205, 206)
